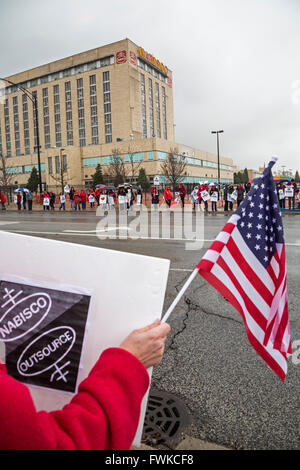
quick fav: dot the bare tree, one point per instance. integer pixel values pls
(61, 178)
(6, 177)
(174, 167)
(115, 170)
(134, 165)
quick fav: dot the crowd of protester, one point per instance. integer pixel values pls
(209, 196)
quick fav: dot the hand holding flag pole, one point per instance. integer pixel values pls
(246, 264)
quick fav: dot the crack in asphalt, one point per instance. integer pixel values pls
(191, 305)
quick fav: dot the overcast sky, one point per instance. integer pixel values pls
(235, 63)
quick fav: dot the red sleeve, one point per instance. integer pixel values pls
(104, 414)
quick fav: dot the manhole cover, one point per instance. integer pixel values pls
(166, 417)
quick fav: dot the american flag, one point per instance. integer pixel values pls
(246, 264)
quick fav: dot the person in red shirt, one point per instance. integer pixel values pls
(19, 201)
(168, 196)
(97, 196)
(77, 200)
(3, 201)
(103, 415)
(83, 198)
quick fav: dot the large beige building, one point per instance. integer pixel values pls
(113, 99)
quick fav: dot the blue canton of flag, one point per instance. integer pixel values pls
(260, 224)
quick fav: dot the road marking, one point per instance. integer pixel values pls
(99, 236)
(99, 231)
(8, 223)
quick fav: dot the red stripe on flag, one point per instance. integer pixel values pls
(217, 246)
(206, 265)
(229, 227)
(225, 292)
(248, 272)
(252, 309)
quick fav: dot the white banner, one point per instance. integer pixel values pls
(46, 201)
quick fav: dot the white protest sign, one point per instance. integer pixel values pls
(91, 198)
(205, 195)
(281, 194)
(102, 199)
(234, 195)
(289, 191)
(156, 180)
(111, 201)
(214, 196)
(122, 199)
(46, 201)
(34, 266)
(138, 199)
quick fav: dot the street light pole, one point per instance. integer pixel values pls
(218, 152)
(62, 170)
(33, 99)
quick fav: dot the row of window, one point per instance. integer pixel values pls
(153, 100)
(148, 68)
(86, 67)
(24, 169)
(139, 156)
(196, 161)
(57, 96)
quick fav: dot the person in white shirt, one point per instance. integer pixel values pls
(62, 198)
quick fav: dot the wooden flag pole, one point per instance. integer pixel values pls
(179, 295)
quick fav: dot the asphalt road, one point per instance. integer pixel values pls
(232, 397)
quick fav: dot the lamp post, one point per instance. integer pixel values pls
(62, 170)
(218, 132)
(33, 99)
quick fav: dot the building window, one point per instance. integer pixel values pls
(143, 100)
(16, 125)
(64, 163)
(104, 62)
(162, 156)
(150, 155)
(57, 116)
(69, 120)
(107, 107)
(164, 111)
(157, 107)
(145, 66)
(134, 157)
(26, 125)
(94, 110)
(93, 161)
(151, 115)
(81, 121)
(57, 164)
(50, 168)
(7, 129)
(46, 117)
